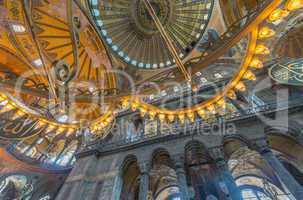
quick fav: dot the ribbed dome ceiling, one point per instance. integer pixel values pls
(131, 33)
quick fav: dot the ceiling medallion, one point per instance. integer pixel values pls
(129, 30)
(143, 22)
(24, 122)
(289, 72)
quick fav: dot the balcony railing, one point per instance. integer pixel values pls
(121, 139)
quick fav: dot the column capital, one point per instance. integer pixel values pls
(144, 167)
(217, 153)
(261, 146)
(178, 160)
(150, 195)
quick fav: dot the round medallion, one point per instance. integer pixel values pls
(143, 22)
(130, 31)
(289, 72)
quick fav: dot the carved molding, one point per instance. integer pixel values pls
(145, 167)
(178, 160)
(261, 146)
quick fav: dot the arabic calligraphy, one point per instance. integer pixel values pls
(290, 72)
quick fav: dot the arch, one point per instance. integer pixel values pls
(194, 143)
(17, 173)
(130, 177)
(200, 168)
(232, 143)
(294, 171)
(66, 156)
(245, 161)
(262, 184)
(196, 152)
(127, 161)
(45, 188)
(293, 131)
(167, 193)
(161, 156)
(289, 43)
(286, 147)
(17, 185)
(163, 175)
(255, 176)
(233, 10)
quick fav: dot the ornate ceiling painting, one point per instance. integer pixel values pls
(130, 32)
(91, 67)
(50, 44)
(71, 57)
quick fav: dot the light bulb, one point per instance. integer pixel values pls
(261, 49)
(294, 5)
(241, 87)
(256, 63)
(232, 95)
(249, 75)
(171, 118)
(277, 14)
(266, 32)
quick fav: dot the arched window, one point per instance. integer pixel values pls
(3, 185)
(169, 193)
(255, 188)
(16, 187)
(45, 197)
(31, 152)
(68, 154)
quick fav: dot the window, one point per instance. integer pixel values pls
(45, 197)
(38, 62)
(255, 188)
(22, 185)
(18, 28)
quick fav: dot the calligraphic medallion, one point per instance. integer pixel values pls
(289, 72)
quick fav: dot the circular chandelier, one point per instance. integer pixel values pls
(69, 55)
(256, 52)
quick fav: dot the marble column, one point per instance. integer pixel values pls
(144, 180)
(181, 176)
(118, 184)
(225, 180)
(282, 173)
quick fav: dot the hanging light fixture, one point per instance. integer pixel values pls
(241, 86)
(161, 117)
(152, 115)
(191, 116)
(294, 5)
(181, 118)
(256, 63)
(266, 32)
(249, 75)
(278, 14)
(231, 94)
(171, 118)
(261, 49)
